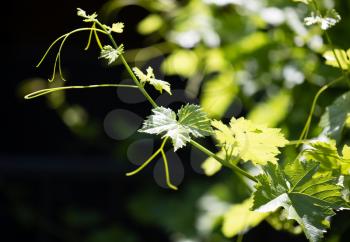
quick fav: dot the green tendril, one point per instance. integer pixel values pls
(98, 40)
(58, 55)
(306, 128)
(148, 161)
(141, 167)
(89, 39)
(55, 89)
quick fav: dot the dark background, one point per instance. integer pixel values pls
(54, 184)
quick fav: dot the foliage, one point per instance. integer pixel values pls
(248, 141)
(335, 117)
(263, 59)
(191, 121)
(307, 200)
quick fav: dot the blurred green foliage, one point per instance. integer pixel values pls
(257, 52)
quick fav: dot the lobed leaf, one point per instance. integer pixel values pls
(111, 54)
(191, 121)
(249, 141)
(326, 153)
(150, 78)
(306, 200)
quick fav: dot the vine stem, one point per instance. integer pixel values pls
(222, 161)
(126, 65)
(154, 104)
(104, 30)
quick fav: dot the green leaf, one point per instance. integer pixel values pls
(326, 153)
(150, 78)
(342, 55)
(87, 18)
(111, 54)
(335, 116)
(117, 27)
(195, 120)
(250, 141)
(191, 121)
(306, 200)
(239, 218)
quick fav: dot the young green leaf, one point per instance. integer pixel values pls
(342, 55)
(306, 200)
(87, 18)
(111, 54)
(150, 78)
(250, 141)
(118, 27)
(191, 121)
(335, 116)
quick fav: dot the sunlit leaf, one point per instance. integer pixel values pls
(306, 200)
(118, 27)
(326, 153)
(111, 54)
(249, 141)
(150, 78)
(87, 18)
(195, 120)
(191, 121)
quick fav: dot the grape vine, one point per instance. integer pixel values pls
(309, 188)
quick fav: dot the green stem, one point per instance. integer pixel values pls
(149, 98)
(131, 73)
(55, 89)
(222, 161)
(297, 142)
